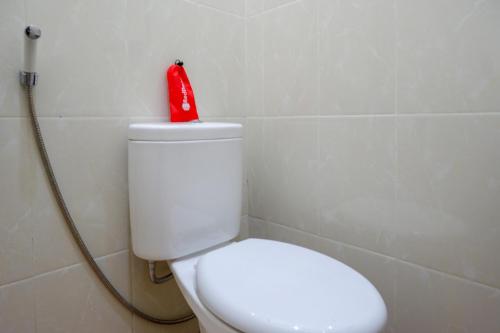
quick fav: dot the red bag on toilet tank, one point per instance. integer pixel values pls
(180, 93)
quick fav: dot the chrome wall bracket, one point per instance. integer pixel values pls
(28, 79)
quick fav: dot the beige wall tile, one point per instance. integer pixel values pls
(425, 194)
(448, 195)
(356, 57)
(127, 75)
(449, 56)
(329, 176)
(17, 308)
(254, 67)
(117, 268)
(429, 301)
(53, 245)
(100, 61)
(283, 163)
(89, 157)
(221, 64)
(290, 74)
(19, 180)
(73, 300)
(161, 300)
(357, 176)
(82, 57)
(268, 230)
(210, 43)
(12, 20)
(158, 32)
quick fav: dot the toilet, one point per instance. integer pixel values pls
(185, 193)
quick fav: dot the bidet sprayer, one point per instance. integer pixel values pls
(28, 75)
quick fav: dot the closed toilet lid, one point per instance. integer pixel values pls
(267, 286)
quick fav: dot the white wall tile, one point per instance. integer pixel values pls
(356, 57)
(449, 56)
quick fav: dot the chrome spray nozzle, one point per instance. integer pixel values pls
(33, 32)
(28, 75)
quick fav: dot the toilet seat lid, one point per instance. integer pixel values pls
(268, 286)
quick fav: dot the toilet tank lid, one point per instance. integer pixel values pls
(165, 131)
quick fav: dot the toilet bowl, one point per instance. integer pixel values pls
(261, 285)
(185, 185)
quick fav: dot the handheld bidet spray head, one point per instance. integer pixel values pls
(28, 75)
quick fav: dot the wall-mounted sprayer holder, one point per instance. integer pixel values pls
(28, 76)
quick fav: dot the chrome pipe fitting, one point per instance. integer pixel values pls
(155, 278)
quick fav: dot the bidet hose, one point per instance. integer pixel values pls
(74, 230)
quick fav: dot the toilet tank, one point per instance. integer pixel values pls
(185, 187)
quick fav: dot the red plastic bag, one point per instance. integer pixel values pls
(182, 104)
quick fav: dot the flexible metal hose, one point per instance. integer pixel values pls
(74, 230)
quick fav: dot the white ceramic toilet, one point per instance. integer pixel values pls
(185, 203)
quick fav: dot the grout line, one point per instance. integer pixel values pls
(203, 5)
(146, 117)
(396, 112)
(269, 10)
(407, 115)
(449, 275)
(212, 117)
(319, 58)
(81, 263)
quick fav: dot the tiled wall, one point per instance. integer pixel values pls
(101, 66)
(373, 132)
